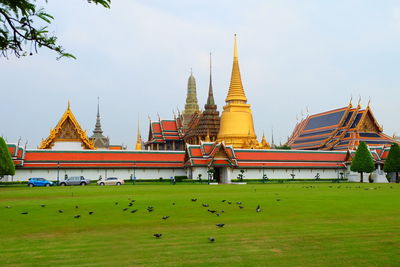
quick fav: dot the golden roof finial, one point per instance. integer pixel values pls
(369, 101)
(236, 91)
(359, 101)
(351, 100)
(68, 104)
(139, 138)
(235, 50)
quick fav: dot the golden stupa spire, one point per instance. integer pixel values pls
(236, 91)
(139, 139)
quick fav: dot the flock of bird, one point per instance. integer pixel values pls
(218, 213)
(151, 209)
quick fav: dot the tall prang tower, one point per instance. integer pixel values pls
(191, 106)
(237, 127)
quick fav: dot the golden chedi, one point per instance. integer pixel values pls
(237, 128)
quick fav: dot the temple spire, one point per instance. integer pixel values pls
(97, 128)
(139, 138)
(236, 91)
(210, 99)
(191, 105)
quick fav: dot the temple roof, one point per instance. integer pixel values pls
(99, 140)
(339, 129)
(162, 130)
(66, 130)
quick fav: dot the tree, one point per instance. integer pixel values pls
(22, 31)
(284, 146)
(392, 163)
(7, 166)
(362, 161)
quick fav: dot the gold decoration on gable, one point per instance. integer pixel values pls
(67, 129)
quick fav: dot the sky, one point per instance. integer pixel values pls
(136, 57)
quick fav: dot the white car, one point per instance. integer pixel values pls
(111, 181)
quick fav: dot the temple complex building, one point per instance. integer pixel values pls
(100, 141)
(67, 134)
(191, 106)
(236, 126)
(166, 135)
(339, 129)
(204, 126)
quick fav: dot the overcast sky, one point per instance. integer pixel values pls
(137, 57)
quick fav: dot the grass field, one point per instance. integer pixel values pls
(302, 224)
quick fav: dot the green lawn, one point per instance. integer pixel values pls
(312, 225)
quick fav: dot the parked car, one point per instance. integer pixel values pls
(111, 181)
(75, 180)
(39, 182)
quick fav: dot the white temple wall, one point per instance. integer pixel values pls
(94, 174)
(286, 173)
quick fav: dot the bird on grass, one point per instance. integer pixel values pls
(278, 199)
(239, 203)
(218, 214)
(150, 209)
(157, 235)
(212, 211)
(194, 199)
(8, 207)
(77, 216)
(173, 204)
(24, 213)
(222, 211)
(241, 207)
(91, 212)
(42, 205)
(258, 209)
(211, 239)
(223, 200)
(130, 204)
(116, 203)
(60, 211)
(229, 202)
(76, 207)
(125, 209)
(205, 205)
(133, 211)
(165, 217)
(220, 225)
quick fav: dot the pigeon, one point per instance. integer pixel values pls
(130, 204)
(77, 216)
(133, 211)
(278, 199)
(116, 203)
(211, 239)
(165, 217)
(43, 205)
(24, 213)
(223, 200)
(60, 211)
(76, 207)
(125, 209)
(239, 203)
(218, 214)
(205, 205)
(133, 200)
(8, 207)
(173, 204)
(220, 225)
(222, 211)
(90, 212)
(241, 207)
(229, 202)
(258, 209)
(212, 211)
(150, 208)
(157, 235)
(194, 199)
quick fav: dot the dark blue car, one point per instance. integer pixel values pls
(39, 182)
